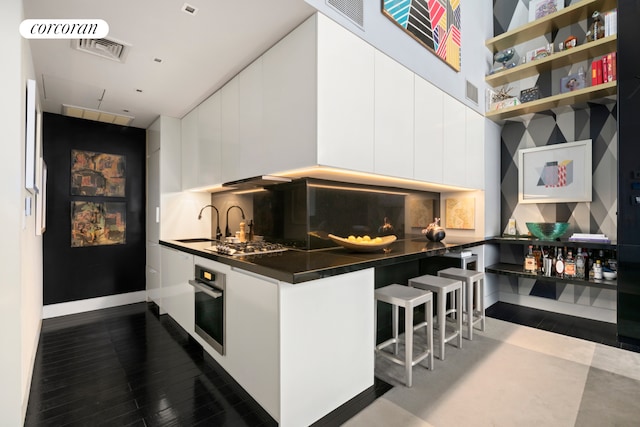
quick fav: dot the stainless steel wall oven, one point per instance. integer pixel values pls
(210, 307)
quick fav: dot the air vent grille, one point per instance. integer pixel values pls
(105, 48)
(96, 115)
(352, 9)
(472, 92)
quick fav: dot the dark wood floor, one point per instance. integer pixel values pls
(127, 366)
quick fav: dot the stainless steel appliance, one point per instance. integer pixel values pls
(210, 307)
(247, 248)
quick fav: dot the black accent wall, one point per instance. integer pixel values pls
(628, 171)
(76, 273)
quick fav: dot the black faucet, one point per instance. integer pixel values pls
(227, 232)
(218, 232)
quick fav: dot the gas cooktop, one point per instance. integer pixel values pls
(247, 248)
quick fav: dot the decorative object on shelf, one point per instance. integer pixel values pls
(460, 213)
(511, 229)
(570, 42)
(363, 243)
(555, 173)
(548, 230)
(531, 94)
(505, 59)
(541, 8)
(572, 82)
(539, 53)
(434, 24)
(434, 232)
(502, 98)
(596, 29)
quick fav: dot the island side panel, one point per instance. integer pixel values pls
(326, 344)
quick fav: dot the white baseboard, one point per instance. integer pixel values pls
(73, 307)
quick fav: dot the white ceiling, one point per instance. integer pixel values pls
(199, 53)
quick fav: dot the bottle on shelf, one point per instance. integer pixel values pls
(537, 254)
(530, 263)
(559, 263)
(570, 265)
(580, 264)
(597, 270)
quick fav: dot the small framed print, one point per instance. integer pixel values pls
(531, 94)
(571, 82)
(541, 8)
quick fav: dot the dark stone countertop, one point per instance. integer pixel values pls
(297, 266)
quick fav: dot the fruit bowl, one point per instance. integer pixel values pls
(364, 246)
(547, 230)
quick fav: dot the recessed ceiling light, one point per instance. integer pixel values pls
(157, 59)
(139, 90)
(191, 10)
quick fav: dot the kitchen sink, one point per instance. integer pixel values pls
(196, 240)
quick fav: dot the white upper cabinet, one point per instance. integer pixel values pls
(289, 101)
(474, 149)
(394, 118)
(209, 141)
(230, 131)
(251, 122)
(345, 88)
(455, 140)
(189, 132)
(429, 133)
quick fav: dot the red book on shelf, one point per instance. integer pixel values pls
(614, 66)
(596, 72)
(605, 68)
(610, 67)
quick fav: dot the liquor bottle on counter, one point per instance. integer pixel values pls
(559, 263)
(580, 264)
(530, 263)
(570, 265)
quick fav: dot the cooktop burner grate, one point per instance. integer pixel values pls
(247, 248)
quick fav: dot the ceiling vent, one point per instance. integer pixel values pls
(96, 115)
(112, 49)
(352, 9)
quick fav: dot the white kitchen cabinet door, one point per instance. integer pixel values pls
(474, 149)
(250, 107)
(153, 196)
(289, 101)
(153, 273)
(208, 158)
(428, 132)
(393, 131)
(230, 132)
(177, 293)
(455, 141)
(189, 162)
(345, 98)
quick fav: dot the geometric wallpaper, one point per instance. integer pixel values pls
(597, 122)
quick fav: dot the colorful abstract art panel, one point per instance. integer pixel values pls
(435, 24)
(97, 174)
(98, 223)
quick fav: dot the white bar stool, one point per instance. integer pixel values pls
(472, 291)
(409, 298)
(442, 287)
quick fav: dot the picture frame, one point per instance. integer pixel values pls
(541, 8)
(436, 25)
(41, 200)
(30, 137)
(558, 173)
(460, 213)
(572, 82)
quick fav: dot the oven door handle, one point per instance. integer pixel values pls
(205, 289)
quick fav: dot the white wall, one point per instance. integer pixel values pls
(21, 251)
(477, 26)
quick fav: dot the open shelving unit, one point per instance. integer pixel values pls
(539, 27)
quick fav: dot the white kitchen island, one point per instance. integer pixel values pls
(300, 350)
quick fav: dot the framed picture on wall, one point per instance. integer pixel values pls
(541, 8)
(30, 138)
(556, 173)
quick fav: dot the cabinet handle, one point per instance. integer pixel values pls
(157, 214)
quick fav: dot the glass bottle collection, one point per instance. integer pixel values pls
(560, 262)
